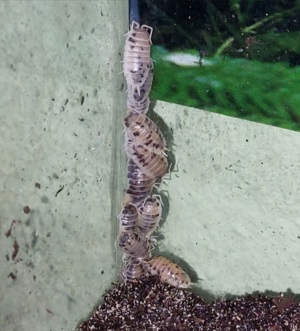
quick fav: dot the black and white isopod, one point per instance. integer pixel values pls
(132, 269)
(168, 272)
(152, 164)
(128, 218)
(149, 215)
(140, 185)
(137, 62)
(138, 101)
(134, 245)
(142, 130)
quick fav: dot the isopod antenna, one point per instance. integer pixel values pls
(134, 11)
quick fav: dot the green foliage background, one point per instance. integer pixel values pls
(264, 92)
(253, 51)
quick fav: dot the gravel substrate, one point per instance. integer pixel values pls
(150, 305)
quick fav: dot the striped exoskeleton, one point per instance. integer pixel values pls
(149, 215)
(128, 218)
(141, 130)
(140, 185)
(134, 245)
(132, 269)
(137, 62)
(138, 101)
(168, 272)
(152, 164)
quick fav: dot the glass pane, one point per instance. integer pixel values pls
(237, 58)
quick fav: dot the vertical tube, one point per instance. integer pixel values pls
(134, 12)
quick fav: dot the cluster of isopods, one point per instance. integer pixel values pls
(145, 147)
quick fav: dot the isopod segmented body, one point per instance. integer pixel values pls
(128, 218)
(134, 245)
(149, 215)
(143, 131)
(152, 164)
(168, 272)
(140, 185)
(138, 106)
(133, 269)
(137, 62)
(138, 101)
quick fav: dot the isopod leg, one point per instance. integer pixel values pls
(151, 31)
(134, 26)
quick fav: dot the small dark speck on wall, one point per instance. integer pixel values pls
(56, 194)
(12, 276)
(16, 249)
(26, 209)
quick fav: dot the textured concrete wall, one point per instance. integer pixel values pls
(234, 202)
(60, 98)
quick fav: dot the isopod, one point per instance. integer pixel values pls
(140, 185)
(168, 272)
(138, 101)
(134, 245)
(149, 215)
(152, 164)
(128, 218)
(138, 106)
(133, 269)
(142, 130)
(137, 62)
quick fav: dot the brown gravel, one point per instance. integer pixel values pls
(150, 305)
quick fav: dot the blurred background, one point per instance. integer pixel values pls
(234, 57)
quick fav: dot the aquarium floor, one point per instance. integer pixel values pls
(150, 305)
